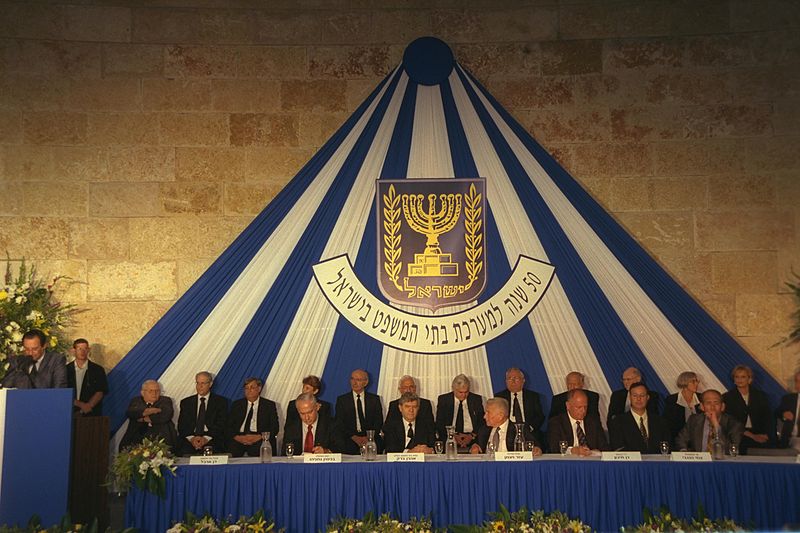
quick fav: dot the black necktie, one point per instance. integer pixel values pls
(581, 434)
(200, 425)
(32, 375)
(410, 435)
(360, 409)
(460, 417)
(517, 410)
(248, 420)
(642, 428)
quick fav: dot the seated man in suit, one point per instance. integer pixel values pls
(36, 368)
(499, 431)
(356, 412)
(638, 430)
(701, 429)
(314, 431)
(409, 432)
(575, 380)
(580, 429)
(248, 418)
(788, 411)
(461, 409)
(409, 384)
(149, 416)
(313, 385)
(202, 420)
(88, 379)
(751, 408)
(524, 403)
(620, 399)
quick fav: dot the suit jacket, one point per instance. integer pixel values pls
(616, 406)
(559, 428)
(425, 411)
(160, 425)
(293, 417)
(444, 413)
(346, 420)
(266, 419)
(531, 405)
(482, 439)
(325, 435)
(674, 414)
(624, 434)
(394, 433)
(788, 403)
(558, 405)
(52, 373)
(691, 436)
(216, 417)
(93, 381)
(757, 408)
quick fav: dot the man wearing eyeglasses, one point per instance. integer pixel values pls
(638, 430)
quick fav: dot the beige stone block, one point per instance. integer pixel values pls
(44, 238)
(246, 96)
(54, 58)
(786, 117)
(690, 269)
(571, 57)
(656, 54)
(629, 194)
(98, 238)
(660, 232)
(597, 20)
(745, 230)
(693, 158)
(116, 199)
(762, 84)
(76, 164)
(190, 271)
(401, 25)
(341, 26)
(598, 188)
(32, 21)
(726, 192)
(763, 349)
(176, 95)
(317, 128)
(191, 26)
(189, 237)
(567, 125)
(142, 164)
(10, 127)
(197, 198)
(29, 163)
(496, 25)
(210, 164)
(55, 199)
(313, 95)
(688, 88)
(611, 159)
(123, 129)
(767, 15)
(562, 153)
(114, 94)
(51, 127)
(68, 278)
(269, 129)
(722, 307)
(744, 272)
(350, 62)
(787, 187)
(133, 60)
(35, 93)
(200, 61)
(776, 47)
(97, 23)
(487, 61)
(773, 154)
(720, 51)
(123, 280)
(678, 194)
(15, 190)
(763, 314)
(249, 198)
(358, 91)
(194, 129)
(535, 93)
(275, 165)
(622, 89)
(272, 62)
(788, 267)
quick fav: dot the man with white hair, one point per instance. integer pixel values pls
(149, 416)
(461, 409)
(409, 384)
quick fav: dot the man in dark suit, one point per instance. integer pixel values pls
(701, 429)
(88, 379)
(575, 380)
(201, 421)
(409, 432)
(524, 403)
(581, 430)
(149, 416)
(248, 418)
(620, 399)
(356, 412)
(314, 432)
(638, 430)
(36, 368)
(499, 431)
(751, 408)
(788, 411)
(461, 409)
(409, 384)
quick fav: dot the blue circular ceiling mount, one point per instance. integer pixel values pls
(428, 61)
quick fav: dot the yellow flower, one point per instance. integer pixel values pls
(53, 342)
(3, 295)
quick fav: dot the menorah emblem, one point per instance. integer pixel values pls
(432, 223)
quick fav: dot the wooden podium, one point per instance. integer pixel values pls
(88, 495)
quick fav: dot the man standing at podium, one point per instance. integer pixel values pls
(36, 368)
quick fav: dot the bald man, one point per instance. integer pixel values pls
(408, 384)
(574, 380)
(356, 412)
(581, 429)
(149, 416)
(620, 402)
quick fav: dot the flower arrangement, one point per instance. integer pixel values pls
(206, 524)
(665, 521)
(526, 521)
(65, 526)
(26, 302)
(144, 464)
(381, 524)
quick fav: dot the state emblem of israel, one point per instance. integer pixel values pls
(431, 245)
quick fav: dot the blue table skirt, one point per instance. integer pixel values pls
(303, 498)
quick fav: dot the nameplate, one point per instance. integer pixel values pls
(322, 458)
(513, 456)
(621, 456)
(208, 460)
(405, 457)
(691, 457)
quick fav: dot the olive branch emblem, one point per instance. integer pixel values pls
(391, 236)
(473, 235)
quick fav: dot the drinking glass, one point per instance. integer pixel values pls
(290, 450)
(563, 446)
(734, 450)
(208, 451)
(490, 448)
(529, 446)
(438, 446)
(664, 447)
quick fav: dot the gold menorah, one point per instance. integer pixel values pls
(432, 222)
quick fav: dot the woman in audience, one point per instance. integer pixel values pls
(312, 385)
(680, 406)
(750, 406)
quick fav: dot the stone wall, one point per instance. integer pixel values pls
(137, 139)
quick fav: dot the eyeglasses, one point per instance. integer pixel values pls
(639, 396)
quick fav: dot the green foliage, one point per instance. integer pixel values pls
(145, 465)
(207, 524)
(665, 521)
(794, 335)
(65, 526)
(381, 524)
(526, 521)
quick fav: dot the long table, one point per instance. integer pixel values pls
(756, 491)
